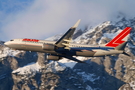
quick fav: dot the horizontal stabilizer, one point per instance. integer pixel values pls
(126, 54)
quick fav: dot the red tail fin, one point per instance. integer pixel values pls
(119, 38)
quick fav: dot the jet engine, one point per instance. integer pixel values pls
(52, 57)
(48, 47)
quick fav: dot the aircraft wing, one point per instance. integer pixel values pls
(65, 40)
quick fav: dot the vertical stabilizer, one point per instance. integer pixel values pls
(120, 41)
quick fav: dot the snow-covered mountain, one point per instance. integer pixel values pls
(22, 70)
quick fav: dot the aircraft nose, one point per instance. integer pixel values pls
(6, 43)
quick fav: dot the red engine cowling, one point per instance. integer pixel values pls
(49, 47)
(52, 57)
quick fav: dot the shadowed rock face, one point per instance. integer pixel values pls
(20, 70)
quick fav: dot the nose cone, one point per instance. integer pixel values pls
(6, 43)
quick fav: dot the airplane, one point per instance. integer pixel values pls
(63, 48)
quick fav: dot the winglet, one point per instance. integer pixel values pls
(77, 23)
(65, 40)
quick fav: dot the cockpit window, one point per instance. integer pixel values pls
(11, 40)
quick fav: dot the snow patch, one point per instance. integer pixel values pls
(111, 35)
(54, 67)
(67, 62)
(102, 25)
(88, 77)
(29, 69)
(99, 27)
(132, 84)
(71, 63)
(8, 52)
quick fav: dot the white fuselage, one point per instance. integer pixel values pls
(77, 49)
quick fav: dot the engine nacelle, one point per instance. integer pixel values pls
(49, 47)
(52, 57)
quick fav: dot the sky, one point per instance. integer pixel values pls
(40, 19)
